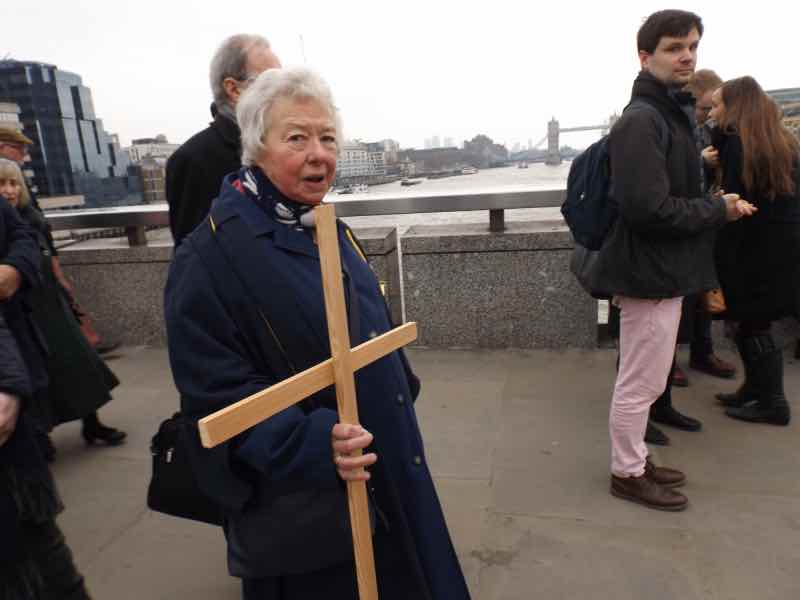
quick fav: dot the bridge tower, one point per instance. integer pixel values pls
(553, 151)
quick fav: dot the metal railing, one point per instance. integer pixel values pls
(135, 219)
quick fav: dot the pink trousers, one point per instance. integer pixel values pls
(647, 337)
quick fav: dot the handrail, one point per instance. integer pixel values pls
(495, 199)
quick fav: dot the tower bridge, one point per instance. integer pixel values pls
(554, 131)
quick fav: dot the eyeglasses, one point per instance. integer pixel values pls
(705, 109)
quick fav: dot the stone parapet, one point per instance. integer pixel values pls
(122, 288)
(467, 287)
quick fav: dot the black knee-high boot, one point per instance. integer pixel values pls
(766, 364)
(746, 392)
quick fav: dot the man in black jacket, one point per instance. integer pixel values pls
(196, 169)
(660, 248)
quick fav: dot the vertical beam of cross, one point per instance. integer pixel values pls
(335, 310)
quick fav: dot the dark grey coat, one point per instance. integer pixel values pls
(661, 246)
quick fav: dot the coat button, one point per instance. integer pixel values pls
(400, 399)
(417, 460)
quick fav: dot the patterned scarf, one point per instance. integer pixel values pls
(263, 192)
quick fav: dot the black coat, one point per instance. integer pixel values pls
(80, 381)
(195, 172)
(27, 490)
(226, 344)
(758, 257)
(661, 245)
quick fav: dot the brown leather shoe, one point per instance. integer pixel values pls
(647, 492)
(665, 476)
(713, 365)
(679, 377)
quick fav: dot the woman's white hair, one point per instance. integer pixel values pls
(254, 106)
(230, 60)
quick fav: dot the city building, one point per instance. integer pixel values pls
(785, 96)
(391, 148)
(153, 173)
(432, 160)
(72, 153)
(789, 100)
(353, 161)
(9, 115)
(157, 147)
(448, 142)
(377, 159)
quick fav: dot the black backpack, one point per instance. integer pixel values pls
(589, 208)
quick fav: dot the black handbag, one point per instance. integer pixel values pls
(173, 488)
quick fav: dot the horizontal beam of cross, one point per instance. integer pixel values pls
(236, 418)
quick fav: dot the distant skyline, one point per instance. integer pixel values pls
(406, 71)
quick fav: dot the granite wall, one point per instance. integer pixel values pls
(467, 287)
(121, 288)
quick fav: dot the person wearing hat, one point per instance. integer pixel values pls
(13, 144)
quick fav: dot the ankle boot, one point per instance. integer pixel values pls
(662, 412)
(645, 491)
(767, 371)
(94, 431)
(745, 394)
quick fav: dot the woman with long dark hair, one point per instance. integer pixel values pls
(758, 259)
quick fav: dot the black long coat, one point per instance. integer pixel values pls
(758, 257)
(229, 339)
(80, 381)
(196, 170)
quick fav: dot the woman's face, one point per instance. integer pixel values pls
(717, 107)
(10, 190)
(300, 148)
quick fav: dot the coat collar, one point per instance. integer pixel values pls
(227, 129)
(677, 103)
(233, 202)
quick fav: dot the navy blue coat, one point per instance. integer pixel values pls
(245, 309)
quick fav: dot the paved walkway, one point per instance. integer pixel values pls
(518, 443)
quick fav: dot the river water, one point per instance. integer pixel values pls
(537, 175)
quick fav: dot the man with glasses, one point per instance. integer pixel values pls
(196, 169)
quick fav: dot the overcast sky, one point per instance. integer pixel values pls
(406, 70)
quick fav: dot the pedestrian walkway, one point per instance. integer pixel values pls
(518, 443)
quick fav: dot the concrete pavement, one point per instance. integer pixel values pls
(518, 443)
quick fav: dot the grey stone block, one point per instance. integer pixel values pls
(467, 287)
(122, 288)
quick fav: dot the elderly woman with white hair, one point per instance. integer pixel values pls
(244, 310)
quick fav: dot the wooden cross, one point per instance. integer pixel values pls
(232, 420)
